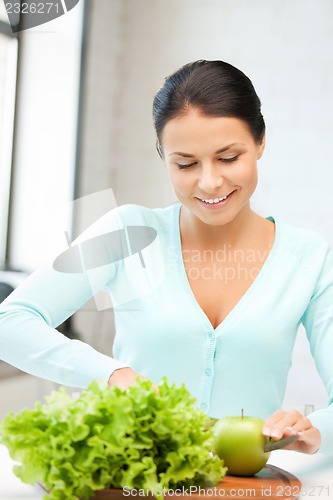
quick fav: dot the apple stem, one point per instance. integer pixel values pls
(242, 413)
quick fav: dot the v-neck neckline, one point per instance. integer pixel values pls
(244, 298)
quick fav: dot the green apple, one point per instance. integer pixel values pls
(240, 443)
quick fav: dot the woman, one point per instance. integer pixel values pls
(216, 300)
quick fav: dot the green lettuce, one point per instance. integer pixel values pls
(140, 439)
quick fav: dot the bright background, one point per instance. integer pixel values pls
(83, 120)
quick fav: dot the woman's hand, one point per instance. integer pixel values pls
(124, 378)
(284, 424)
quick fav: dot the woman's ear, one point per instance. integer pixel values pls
(261, 148)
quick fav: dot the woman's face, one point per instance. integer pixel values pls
(212, 164)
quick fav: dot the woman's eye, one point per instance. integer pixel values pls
(229, 160)
(183, 166)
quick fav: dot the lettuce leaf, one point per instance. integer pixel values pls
(110, 438)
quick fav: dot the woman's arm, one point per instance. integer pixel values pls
(318, 322)
(315, 430)
(29, 317)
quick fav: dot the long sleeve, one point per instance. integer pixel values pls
(29, 317)
(318, 322)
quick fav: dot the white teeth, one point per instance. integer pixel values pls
(215, 200)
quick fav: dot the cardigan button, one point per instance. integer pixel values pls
(204, 406)
(208, 372)
(211, 337)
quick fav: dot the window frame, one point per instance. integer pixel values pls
(6, 31)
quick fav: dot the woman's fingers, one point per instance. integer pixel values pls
(282, 424)
(124, 378)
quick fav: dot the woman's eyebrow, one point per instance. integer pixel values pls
(222, 150)
(186, 155)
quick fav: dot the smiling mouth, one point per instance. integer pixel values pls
(216, 201)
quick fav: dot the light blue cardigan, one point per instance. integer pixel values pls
(162, 331)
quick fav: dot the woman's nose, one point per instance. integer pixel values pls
(210, 179)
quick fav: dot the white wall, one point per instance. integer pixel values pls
(285, 47)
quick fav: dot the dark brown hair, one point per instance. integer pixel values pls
(216, 88)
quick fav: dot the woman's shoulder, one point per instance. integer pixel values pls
(138, 213)
(301, 240)
(132, 215)
(162, 219)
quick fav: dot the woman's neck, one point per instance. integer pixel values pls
(241, 229)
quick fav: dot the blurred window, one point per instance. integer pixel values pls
(8, 69)
(3, 14)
